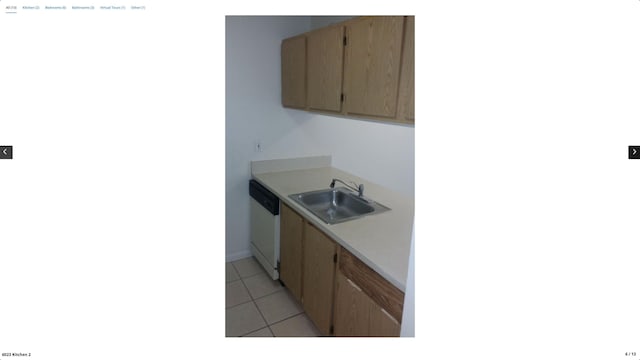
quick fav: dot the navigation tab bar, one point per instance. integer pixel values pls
(58, 6)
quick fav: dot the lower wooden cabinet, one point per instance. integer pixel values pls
(356, 314)
(318, 277)
(291, 237)
(365, 304)
(381, 323)
(352, 308)
(338, 292)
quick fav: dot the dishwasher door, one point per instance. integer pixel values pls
(265, 228)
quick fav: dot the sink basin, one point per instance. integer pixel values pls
(337, 205)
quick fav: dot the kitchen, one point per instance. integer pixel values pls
(259, 128)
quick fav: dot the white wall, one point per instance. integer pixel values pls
(253, 111)
(408, 326)
(380, 152)
(316, 22)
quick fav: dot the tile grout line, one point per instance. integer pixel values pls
(264, 296)
(241, 278)
(260, 311)
(282, 288)
(266, 327)
(285, 319)
(265, 320)
(237, 272)
(234, 306)
(257, 308)
(251, 297)
(279, 321)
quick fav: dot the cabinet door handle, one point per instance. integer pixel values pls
(389, 315)
(353, 284)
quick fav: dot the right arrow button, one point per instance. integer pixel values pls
(634, 152)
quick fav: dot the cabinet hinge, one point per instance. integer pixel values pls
(342, 97)
(344, 41)
(335, 258)
(331, 330)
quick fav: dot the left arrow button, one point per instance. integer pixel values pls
(6, 152)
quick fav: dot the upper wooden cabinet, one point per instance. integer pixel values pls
(294, 86)
(324, 68)
(372, 65)
(362, 67)
(406, 97)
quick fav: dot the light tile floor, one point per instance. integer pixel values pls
(259, 306)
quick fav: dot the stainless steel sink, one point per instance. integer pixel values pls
(337, 205)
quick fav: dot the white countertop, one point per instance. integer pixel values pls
(381, 241)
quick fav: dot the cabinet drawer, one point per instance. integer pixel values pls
(383, 293)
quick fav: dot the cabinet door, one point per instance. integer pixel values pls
(351, 317)
(372, 65)
(318, 277)
(356, 314)
(373, 284)
(407, 76)
(293, 62)
(291, 233)
(324, 68)
(381, 323)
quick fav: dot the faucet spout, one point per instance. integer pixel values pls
(358, 188)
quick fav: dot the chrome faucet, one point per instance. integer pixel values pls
(358, 188)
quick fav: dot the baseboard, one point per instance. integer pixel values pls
(239, 255)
